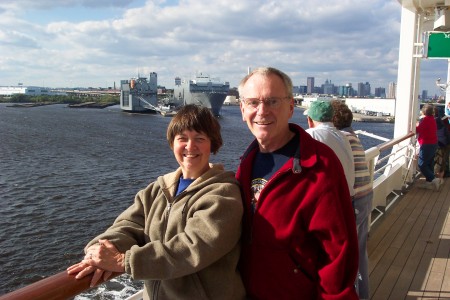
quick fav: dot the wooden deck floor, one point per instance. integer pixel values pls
(409, 248)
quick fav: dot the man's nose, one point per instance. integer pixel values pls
(262, 107)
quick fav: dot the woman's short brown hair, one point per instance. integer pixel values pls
(198, 118)
(343, 116)
(428, 110)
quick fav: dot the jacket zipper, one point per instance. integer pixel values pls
(157, 283)
(169, 206)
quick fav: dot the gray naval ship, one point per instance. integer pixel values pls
(139, 94)
(203, 91)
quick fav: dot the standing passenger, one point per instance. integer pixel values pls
(362, 200)
(441, 157)
(426, 130)
(299, 237)
(447, 110)
(181, 235)
(321, 128)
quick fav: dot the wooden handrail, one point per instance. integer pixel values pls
(390, 143)
(56, 287)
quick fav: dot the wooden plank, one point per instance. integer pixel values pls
(403, 282)
(387, 222)
(433, 285)
(445, 289)
(382, 237)
(393, 240)
(408, 260)
(398, 213)
(409, 252)
(376, 277)
(426, 243)
(419, 282)
(443, 252)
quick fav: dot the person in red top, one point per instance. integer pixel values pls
(426, 131)
(299, 234)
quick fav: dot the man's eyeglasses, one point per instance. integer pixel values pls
(272, 102)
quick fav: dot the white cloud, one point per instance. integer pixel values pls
(346, 41)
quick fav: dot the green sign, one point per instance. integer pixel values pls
(438, 45)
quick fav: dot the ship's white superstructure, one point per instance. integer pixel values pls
(139, 94)
(202, 90)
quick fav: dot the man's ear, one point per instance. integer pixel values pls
(310, 122)
(241, 106)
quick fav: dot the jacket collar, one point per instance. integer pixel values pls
(305, 155)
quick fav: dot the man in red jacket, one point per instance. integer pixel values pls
(299, 235)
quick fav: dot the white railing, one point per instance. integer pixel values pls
(138, 296)
(391, 173)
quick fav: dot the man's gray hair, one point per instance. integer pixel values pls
(266, 71)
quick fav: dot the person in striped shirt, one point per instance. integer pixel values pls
(363, 188)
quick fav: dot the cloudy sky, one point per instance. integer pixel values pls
(96, 43)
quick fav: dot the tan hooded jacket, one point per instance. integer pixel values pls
(183, 247)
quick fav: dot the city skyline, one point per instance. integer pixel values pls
(362, 90)
(78, 43)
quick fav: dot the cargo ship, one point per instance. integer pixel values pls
(139, 94)
(202, 90)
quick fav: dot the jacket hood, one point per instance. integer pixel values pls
(216, 173)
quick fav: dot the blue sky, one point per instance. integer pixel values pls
(70, 43)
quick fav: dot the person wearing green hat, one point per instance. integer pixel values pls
(321, 128)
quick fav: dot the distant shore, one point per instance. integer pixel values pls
(372, 119)
(28, 104)
(75, 105)
(356, 117)
(364, 118)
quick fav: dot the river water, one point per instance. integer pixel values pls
(66, 173)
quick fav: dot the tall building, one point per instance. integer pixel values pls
(367, 89)
(303, 89)
(380, 92)
(328, 88)
(346, 91)
(363, 89)
(392, 90)
(310, 85)
(424, 95)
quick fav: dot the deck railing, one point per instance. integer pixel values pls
(56, 287)
(391, 174)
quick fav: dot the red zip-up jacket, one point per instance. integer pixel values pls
(301, 242)
(427, 131)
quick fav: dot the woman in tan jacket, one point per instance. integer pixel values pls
(181, 235)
